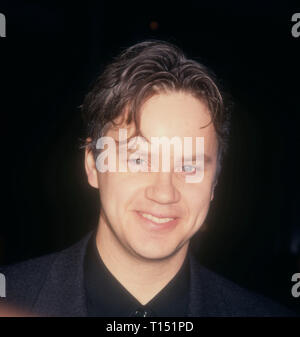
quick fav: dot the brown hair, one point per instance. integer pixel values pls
(141, 71)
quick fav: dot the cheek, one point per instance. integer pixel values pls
(117, 191)
(198, 200)
(200, 205)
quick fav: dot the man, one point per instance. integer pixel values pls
(138, 261)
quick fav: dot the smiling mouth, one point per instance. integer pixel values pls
(155, 219)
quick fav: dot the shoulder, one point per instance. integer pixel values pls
(223, 297)
(24, 280)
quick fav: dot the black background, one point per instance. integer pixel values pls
(51, 54)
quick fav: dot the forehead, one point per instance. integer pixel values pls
(175, 114)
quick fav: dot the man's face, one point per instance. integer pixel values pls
(154, 214)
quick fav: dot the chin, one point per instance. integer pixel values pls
(155, 253)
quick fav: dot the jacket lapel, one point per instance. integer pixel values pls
(205, 300)
(63, 293)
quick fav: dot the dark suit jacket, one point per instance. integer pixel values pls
(53, 285)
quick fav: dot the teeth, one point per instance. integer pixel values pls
(155, 219)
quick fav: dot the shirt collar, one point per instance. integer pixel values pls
(107, 297)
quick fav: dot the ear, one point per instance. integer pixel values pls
(213, 190)
(90, 168)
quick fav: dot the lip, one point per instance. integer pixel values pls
(157, 226)
(159, 215)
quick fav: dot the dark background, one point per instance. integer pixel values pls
(52, 53)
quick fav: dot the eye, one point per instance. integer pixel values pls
(138, 164)
(188, 169)
(137, 161)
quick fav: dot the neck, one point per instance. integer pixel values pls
(142, 277)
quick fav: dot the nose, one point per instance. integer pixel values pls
(162, 189)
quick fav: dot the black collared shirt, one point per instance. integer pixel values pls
(106, 297)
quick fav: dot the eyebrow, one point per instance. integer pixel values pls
(207, 159)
